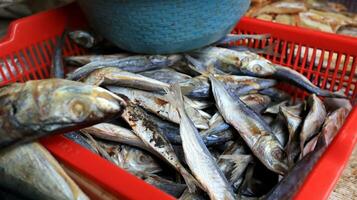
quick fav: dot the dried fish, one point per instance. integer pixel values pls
(153, 138)
(130, 64)
(251, 127)
(28, 115)
(198, 158)
(160, 105)
(30, 170)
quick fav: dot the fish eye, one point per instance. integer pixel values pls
(257, 68)
(78, 108)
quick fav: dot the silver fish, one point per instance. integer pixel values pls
(288, 186)
(160, 106)
(28, 115)
(168, 76)
(138, 161)
(154, 138)
(198, 87)
(85, 59)
(31, 170)
(293, 119)
(248, 63)
(313, 121)
(197, 156)
(118, 77)
(235, 62)
(131, 64)
(294, 77)
(279, 130)
(251, 127)
(112, 132)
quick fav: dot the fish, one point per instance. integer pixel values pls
(130, 64)
(85, 59)
(30, 170)
(288, 186)
(137, 160)
(279, 130)
(79, 139)
(57, 67)
(115, 133)
(235, 62)
(166, 75)
(159, 105)
(294, 77)
(198, 158)
(84, 38)
(251, 64)
(313, 121)
(151, 135)
(37, 108)
(118, 77)
(255, 132)
(199, 87)
(293, 119)
(170, 187)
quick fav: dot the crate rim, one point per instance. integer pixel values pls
(59, 145)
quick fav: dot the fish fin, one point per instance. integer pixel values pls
(237, 160)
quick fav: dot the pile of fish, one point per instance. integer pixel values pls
(315, 14)
(207, 124)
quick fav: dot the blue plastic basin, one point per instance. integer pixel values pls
(163, 26)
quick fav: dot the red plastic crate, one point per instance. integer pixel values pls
(29, 46)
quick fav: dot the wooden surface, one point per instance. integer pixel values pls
(346, 187)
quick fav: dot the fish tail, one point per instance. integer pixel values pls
(190, 181)
(174, 95)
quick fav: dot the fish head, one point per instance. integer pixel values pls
(257, 67)
(138, 160)
(85, 102)
(55, 104)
